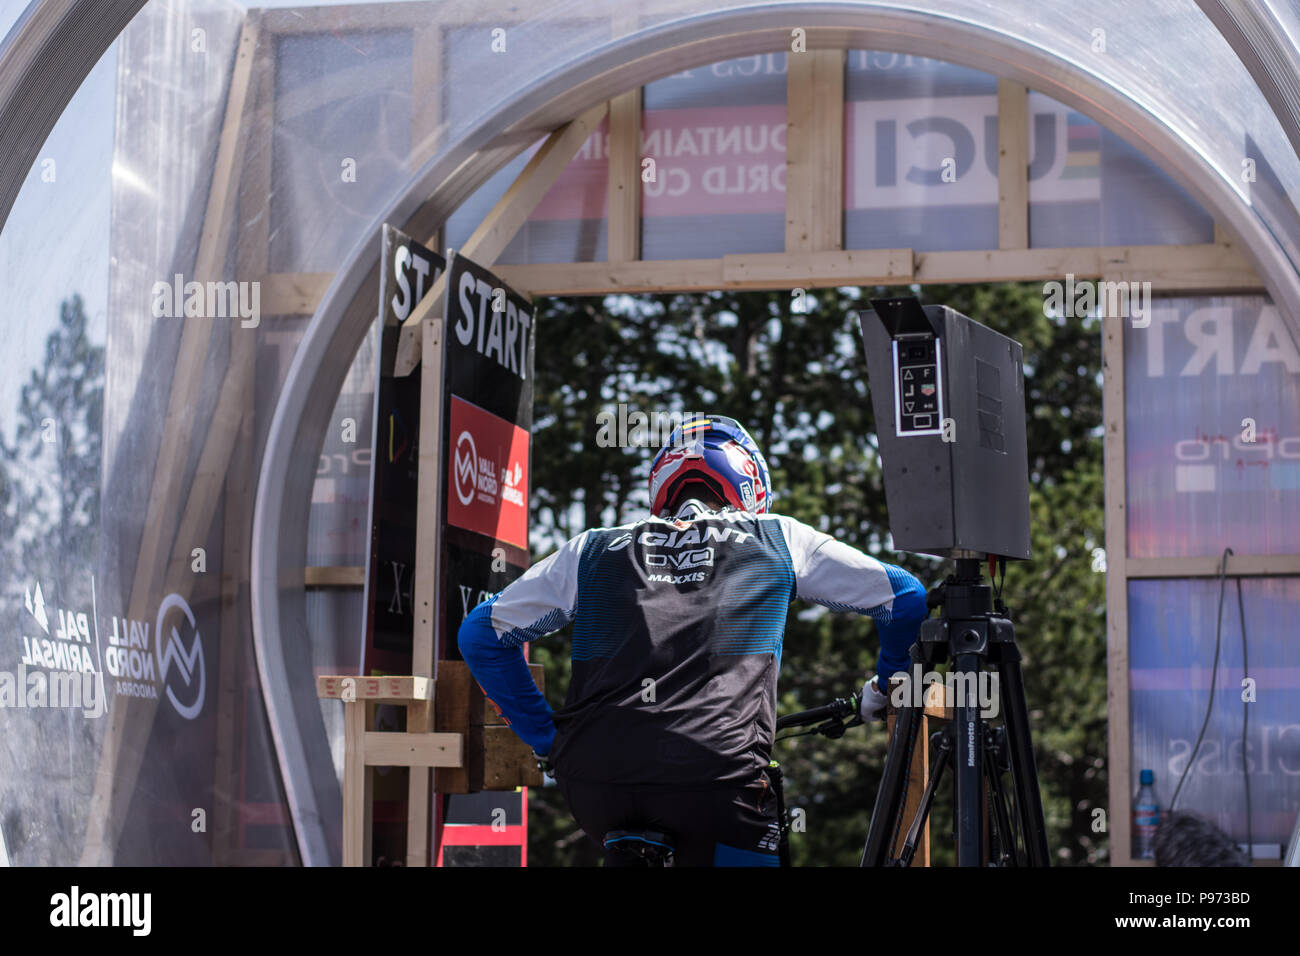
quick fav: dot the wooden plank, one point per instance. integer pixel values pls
(814, 154)
(368, 802)
(458, 702)
(354, 780)
(428, 572)
(508, 761)
(1118, 733)
(938, 702)
(363, 17)
(597, 278)
(1013, 165)
(419, 720)
(334, 576)
(1246, 565)
(388, 689)
(1168, 268)
(236, 545)
(917, 776)
(500, 225)
(428, 503)
(623, 235)
(767, 270)
(427, 90)
(294, 293)
(1175, 266)
(413, 750)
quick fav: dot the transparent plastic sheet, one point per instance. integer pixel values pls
(356, 89)
(1212, 429)
(1172, 627)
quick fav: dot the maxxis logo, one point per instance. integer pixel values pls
(171, 650)
(465, 468)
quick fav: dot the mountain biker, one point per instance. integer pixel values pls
(678, 622)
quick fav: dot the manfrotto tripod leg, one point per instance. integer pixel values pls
(941, 747)
(1024, 771)
(968, 791)
(995, 765)
(893, 782)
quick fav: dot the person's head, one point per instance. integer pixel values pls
(1183, 839)
(713, 459)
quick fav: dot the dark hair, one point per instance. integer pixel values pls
(1184, 839)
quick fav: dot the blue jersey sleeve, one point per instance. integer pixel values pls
(840, 577)
(492, 636)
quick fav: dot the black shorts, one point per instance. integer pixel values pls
(719, 827)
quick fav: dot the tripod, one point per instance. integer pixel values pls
(972, 631)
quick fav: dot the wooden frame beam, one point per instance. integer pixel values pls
(1118, 742)
(1192, 268)
(1013, 165)
(1243, 565)
(428, 574)
(334, 576)
(623, 222)
(505, 219)
(814, 151)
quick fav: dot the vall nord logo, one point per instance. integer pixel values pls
(145, 657)
(465, 468)
(488, 471)
(187, 663)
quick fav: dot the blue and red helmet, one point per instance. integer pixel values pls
(716, 452)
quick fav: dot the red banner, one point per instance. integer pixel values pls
(487, 478)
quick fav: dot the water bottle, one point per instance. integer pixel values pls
(1146, 817)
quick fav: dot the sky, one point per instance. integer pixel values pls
(55, 241)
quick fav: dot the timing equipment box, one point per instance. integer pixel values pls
(949, 400)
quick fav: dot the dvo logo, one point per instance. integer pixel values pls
(466, 467)
(172, 652)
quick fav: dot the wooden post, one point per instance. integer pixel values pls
(814, 151)
(428, 571)
(623, 232)
(1118, 741)
(1013, 165)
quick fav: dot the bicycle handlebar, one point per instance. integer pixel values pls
(837, 709)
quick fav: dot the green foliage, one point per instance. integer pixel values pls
(49, 474)
(797, 379)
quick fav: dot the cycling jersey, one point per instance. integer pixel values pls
(677, 638)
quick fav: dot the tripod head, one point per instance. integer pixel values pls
(966, 574)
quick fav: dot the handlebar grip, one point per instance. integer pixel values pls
(840, 707)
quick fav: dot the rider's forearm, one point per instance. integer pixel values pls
(898, 628)
(502, 672)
